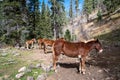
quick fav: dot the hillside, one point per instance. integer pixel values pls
(84, 30)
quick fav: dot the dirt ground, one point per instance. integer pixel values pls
(104, 66)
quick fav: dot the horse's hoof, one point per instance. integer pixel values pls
(58, 66)
(83, 72)
(56, 71)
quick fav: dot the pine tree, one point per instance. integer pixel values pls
(67, 35)
(88, 7)
(1, 18)
(13, 21)
(44, 29)
(71, 9)
(57, 8)
(111, 5)
(43, 8)
(33, 7)
(77, 6)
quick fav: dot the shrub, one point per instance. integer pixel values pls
(99, 15)
(67, 35)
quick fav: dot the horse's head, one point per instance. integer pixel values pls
(34, 40)
(98, 46)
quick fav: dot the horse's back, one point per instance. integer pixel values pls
(48, 41)
(58, 45)
(40, 40)
(28, 42)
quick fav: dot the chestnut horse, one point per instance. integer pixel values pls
(40, 43)
(78, 50)
(29, 43)
(47, 42)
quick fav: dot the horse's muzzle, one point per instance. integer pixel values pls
(101, 50)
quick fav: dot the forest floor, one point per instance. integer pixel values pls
(104, 66)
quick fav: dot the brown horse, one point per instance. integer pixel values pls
(29, 43)
(79, 50)
(40, 43)
(47, 42)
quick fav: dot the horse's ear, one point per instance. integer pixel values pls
(97, 40)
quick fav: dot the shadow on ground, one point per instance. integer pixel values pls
(109, 61)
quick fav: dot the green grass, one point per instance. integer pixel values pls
(50, 73)
(10, 64)
(34, 73)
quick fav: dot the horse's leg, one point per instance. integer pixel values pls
(39, 45)
(42, 45)
(45, 50)
(46, 47)
(55, 59)
(80, 63)
(27, 45)
(32, 45)
(83, 65)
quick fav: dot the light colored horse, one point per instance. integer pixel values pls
(29, 43)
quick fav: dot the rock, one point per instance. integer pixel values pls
(11, 60)
(99, 71)
(46, 68)
(106, 70)
(31, 66)
(42, 77)
(19, 75)
(108, 78)
(30, 78)
(17, 54)
(4, 54)
(38, 65)
(22, 48)
(28, 70)
(23, 69)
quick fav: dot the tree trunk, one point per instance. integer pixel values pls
(56, 30)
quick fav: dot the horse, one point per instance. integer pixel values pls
(47, 42)
(29, 43)
(76, 50)
(40, 43)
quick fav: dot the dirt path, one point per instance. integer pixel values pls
(39, 56)
(105, 66)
